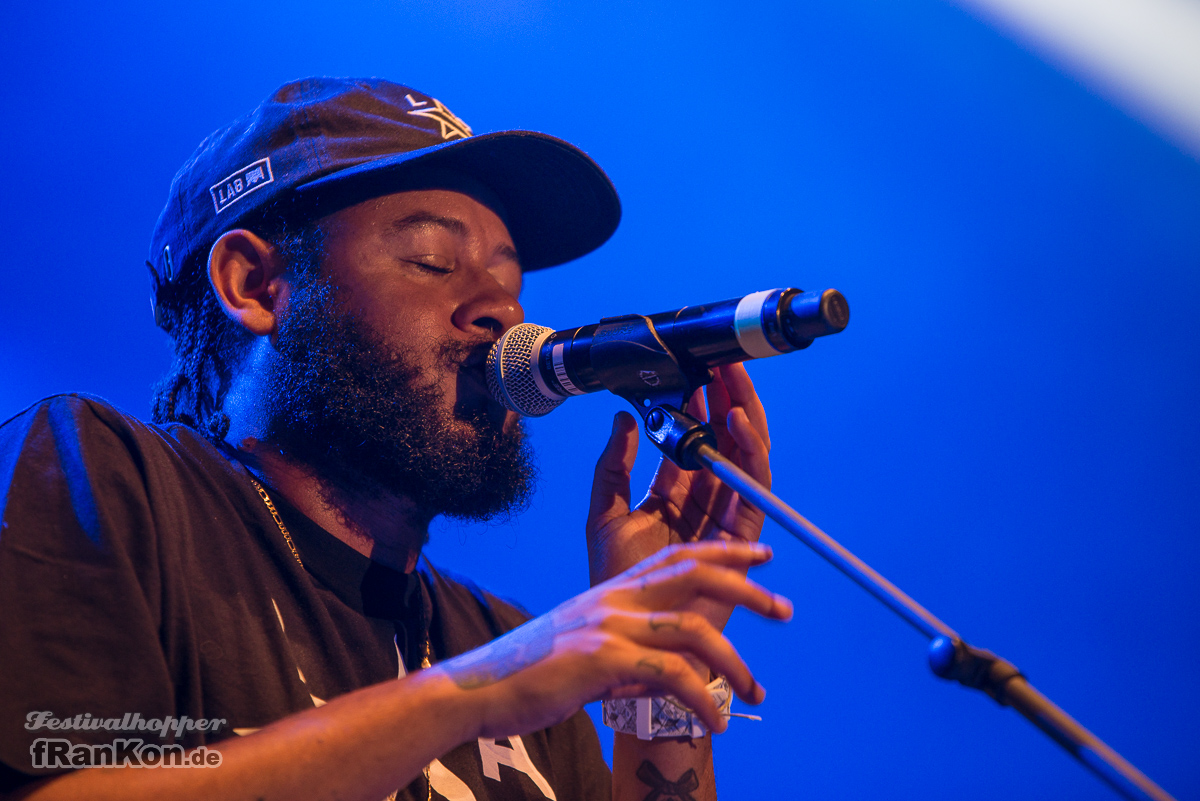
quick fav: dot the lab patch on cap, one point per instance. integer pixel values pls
(229, 190)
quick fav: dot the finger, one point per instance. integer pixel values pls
(628, 691)
(727, 553)
(697, 405)
(742, 393)
(688, 631)
(755, 453)
(666, 673)
(610, 485)
(719, 404)
(718, 396)
(670, 482)
(676, 584)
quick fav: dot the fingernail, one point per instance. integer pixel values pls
(786, 605)
(761, 548)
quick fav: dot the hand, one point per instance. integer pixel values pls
(681, 506)
(623, 638)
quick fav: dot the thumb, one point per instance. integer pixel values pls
(610, 485)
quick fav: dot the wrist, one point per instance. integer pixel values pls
(665, 717)
(461, 712)
(672, 760)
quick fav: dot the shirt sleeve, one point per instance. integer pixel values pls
(80, 593)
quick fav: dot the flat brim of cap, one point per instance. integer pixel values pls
(558, 203)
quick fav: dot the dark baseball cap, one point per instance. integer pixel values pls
(321, 144)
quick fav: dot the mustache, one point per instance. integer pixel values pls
(458, 354)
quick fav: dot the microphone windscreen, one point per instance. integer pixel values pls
(513, 377)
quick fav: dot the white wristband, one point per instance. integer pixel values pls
(663, 717)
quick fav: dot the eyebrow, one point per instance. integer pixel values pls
(454, 226)
(424, 218)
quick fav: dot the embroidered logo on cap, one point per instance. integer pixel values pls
(451, 126)
(241, 183)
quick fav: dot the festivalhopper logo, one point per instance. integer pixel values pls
(60, 752)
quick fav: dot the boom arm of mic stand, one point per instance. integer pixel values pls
(949, 656)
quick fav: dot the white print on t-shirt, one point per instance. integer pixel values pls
(449, 786)
(517, 757)
(441, 780)
(446, 784)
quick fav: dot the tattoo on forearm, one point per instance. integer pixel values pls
(662, 788)
(666, 620)
(652, 664)
(517, 650)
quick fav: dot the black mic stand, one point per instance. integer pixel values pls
(660, 392)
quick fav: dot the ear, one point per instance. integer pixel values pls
(248, 276)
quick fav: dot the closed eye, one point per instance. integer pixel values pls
(427, 265)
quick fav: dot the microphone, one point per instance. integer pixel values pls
(532, 369)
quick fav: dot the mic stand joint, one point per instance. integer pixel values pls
(953, 659)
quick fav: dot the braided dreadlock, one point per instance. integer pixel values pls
(208, 344)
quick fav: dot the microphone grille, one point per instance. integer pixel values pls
(512, 373)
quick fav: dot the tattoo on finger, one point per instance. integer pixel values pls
(655, 664)
(666, 620)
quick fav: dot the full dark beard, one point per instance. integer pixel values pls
(359, 414)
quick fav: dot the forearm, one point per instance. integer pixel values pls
(641, 766)
(364, 745)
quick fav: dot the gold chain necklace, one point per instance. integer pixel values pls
(262, 493)
(287, 536)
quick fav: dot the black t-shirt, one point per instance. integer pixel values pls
(142, 575)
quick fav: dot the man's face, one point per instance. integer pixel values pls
(430, 268)
(381, 382)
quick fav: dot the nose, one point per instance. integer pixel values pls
(489, 309)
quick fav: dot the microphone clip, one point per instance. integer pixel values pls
(659, 389)
(679, 435)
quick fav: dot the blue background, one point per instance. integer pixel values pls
(1007, 429)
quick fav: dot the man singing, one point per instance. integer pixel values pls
(244, 578)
